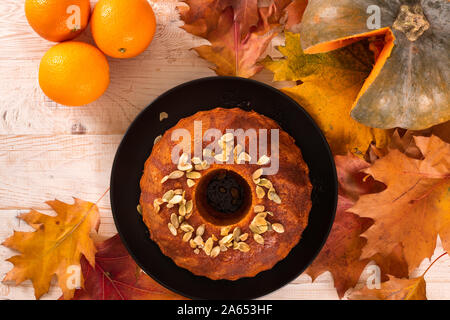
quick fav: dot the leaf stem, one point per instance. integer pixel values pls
(434, 263)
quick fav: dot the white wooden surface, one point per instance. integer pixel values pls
(50, 151)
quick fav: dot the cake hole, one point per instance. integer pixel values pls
(223, 197)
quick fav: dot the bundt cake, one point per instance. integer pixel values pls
(217, 212)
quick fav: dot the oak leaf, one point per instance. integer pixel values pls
(329, 83)
(342, 251)
(117, 277)
(57, 244)
(239, 32)
(414, 208)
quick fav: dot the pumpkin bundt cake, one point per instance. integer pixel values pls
(221, 214)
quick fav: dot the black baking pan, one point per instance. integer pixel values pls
(183, 101)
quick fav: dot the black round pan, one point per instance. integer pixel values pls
(205, 94)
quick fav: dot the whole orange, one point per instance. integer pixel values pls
(58, 20)
(123, 29)
(74, 73)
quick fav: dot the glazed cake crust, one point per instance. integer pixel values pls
(291, 183)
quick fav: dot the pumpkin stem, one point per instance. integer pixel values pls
(411, 21)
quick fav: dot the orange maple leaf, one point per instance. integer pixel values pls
(239, 32)
(57, 244)
(414, 208)
(117, 277)
(342, 251)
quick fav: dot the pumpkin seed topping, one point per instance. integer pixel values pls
(260, 193)
(190, 183)
(193, 175)
(174, 220)
(225, 230)
(157, 139)
(258, 208)
(200, 230)
(243, 247)
(215, 251)
(243, 237)
(263, 160)
(176, 174)
(258, 238)
(172, 229)
(187, 236)
(278, 227)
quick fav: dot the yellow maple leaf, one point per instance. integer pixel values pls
(57, 244)
(329, 84)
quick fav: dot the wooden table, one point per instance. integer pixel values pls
(50, 151)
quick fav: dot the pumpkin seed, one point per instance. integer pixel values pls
(260, 193)
(258, 208)
(243, 157)
(226, 239)
(215, 252)
(187, 236)
(184, 166)
(189, 205)
(258, 238)
(174, 220)
(200, 230)
(224, 230)
(172, 229)
(180, 219)
(257, 174)
(263, 160)
(196, 251)
(193, 175)
(227, 137)
(164, 179)
(263, 182)
(186, 227)
(163, 115)
(223, 248)
(205, 164)
(243, 237)
(182, 210)
(192, 244)
(178, 191)
(199, 241)
(272, 195)
(170, 205)
(278, 227)
(176, 174)
(176, 199)
(243, 247)
(190, 183)
(236, 233)
(157, 139)
(139, 209)
(198, 167)
(208, 246)
(168, 196)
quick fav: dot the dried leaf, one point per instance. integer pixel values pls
(239, 32)
(414, 208)
(56, 245)
(394, 289)
(295, 12)
(117, 277)
(330, 83)
(342, 251)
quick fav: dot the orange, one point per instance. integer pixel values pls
(123, 29)
(58, 20)
(74, 73)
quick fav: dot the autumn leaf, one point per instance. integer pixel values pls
(117, 277)
(295, 12)
(57, 244)
(329, 83)
(239, 32)
(394, 289)
(414, 208)
(342, 251)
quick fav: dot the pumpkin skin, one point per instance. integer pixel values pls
(408, 86)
